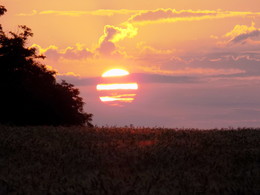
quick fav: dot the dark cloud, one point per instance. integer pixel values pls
(157, 78)
(135, 77)
(107, 48)
(106, 45)
(243, 37)
(78, 81)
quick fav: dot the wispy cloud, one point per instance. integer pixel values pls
(138, 77)
(147, 49)
(99, 12)
(150, 16)
(53, 52)
(171, 15)
(34, 12)
(198, 71)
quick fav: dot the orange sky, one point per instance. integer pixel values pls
(89, 37)
(214, 41)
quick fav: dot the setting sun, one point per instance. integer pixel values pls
(115, 73)
(115, 92)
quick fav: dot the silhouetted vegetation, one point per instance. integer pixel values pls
(2, 10)
(30, 94)
(78, 160)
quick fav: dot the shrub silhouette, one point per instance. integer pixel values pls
(30, 94)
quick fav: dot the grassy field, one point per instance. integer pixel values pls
(76, 160)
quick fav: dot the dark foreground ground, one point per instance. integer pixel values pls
(75, 160)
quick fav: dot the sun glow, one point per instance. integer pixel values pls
(115, 73)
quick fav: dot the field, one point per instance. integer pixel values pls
(77, 160)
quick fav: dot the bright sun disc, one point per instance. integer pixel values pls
(115, 73)
(117, 91)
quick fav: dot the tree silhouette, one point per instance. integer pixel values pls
(2, 10)
(30, 94)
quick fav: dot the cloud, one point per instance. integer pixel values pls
(198, 71)
(224, 64)
(140, 78)
(154, 60)
(115, 34)
(146, 49)
(240, 29)
(160, 78)
(142, 17)
(34, 12)
(53, 52)
(99, 12)
(208, 71)
(160, 14)
(112, 35)
(171, 15)
(76, 79)
(107, 45)
(245, 36)
(241, 33)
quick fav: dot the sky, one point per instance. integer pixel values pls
(197, 63)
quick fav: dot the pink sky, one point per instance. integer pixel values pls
(197, 63)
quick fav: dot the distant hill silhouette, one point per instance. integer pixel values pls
(30, 94)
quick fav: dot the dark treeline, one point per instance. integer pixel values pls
(30, 94)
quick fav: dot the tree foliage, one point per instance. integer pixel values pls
(2, 10)
(30, 94)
